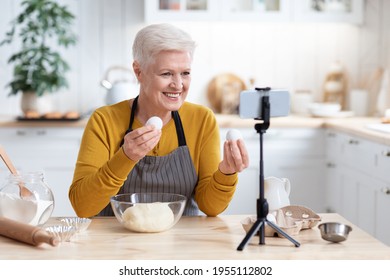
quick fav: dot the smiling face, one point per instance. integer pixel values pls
(164, 83)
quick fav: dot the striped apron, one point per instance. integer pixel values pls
(172, 173)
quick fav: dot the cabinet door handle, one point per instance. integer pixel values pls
(386, 191)
(353, 142)
(330, 165)
(41, 132)
(20, 132)
(386, 153)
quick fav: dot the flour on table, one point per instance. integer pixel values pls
(148, 217)
(21, 210)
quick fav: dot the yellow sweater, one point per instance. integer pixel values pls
(102, 166)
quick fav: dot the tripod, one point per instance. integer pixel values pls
(262, 204)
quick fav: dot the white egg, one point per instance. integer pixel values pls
(233, 134)
(156, 121)
(271, 218)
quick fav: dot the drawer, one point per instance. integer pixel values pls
(382, 162)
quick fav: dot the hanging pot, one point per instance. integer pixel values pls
(119, 89)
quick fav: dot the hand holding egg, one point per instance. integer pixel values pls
(156, 121)
(139, 142)
(235, 156)
(233, 134)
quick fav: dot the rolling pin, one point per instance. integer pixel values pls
(26, 233)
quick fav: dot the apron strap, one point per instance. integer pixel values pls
(132, 114)
(133, 108)
(175, 115)
(179, 129)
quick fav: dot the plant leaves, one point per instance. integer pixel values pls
(37, 66)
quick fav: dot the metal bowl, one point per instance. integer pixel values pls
(334, 232)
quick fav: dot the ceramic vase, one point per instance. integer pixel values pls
(32, 102)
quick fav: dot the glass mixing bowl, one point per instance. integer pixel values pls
(148, 212)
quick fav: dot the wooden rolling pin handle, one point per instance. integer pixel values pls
(26, 233)
(42, 236)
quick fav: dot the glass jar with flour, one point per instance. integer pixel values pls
(34, 210)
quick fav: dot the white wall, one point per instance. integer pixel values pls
(295, 56)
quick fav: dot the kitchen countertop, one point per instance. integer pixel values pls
(357, 127)
(11, 121)
(197, 238)
(352, 125)
(226, 121)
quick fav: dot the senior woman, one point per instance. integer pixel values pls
(120, 154)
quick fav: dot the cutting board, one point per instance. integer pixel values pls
(223, 92)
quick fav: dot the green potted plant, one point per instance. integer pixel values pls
(39, 69)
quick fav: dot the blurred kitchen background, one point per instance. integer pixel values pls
(292, 44)
(331, 55)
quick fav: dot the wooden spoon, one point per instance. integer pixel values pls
(24, 192)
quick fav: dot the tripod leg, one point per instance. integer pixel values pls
(250, 234)
(280, 231)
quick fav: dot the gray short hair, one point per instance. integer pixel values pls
(155, 38)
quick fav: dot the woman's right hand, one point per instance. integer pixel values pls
(139, 142)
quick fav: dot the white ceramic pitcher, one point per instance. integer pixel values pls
(277, 191)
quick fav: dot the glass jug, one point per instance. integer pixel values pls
(35, 210)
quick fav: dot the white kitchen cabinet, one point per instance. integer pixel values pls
(350, 11)
(333, 171)
(358, 153)
(382, 209)
(367, 197)
(214, 10)
(178, 10)
(299, 155)
(255, 10)
(332, 188)
(382, 161)
(358, 187)
(349, 194)
(51, 150)
(293, 153)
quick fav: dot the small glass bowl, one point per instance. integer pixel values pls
(63, 232)
(81, 224)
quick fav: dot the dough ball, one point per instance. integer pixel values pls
(233, 134)
(156, 121)
(148, 217)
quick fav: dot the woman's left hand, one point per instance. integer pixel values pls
(235, 157)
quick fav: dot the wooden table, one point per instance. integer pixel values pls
(197, 238)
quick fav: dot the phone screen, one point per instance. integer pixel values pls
(251, 103)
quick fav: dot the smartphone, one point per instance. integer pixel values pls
(251, 103)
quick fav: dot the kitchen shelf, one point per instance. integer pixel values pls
(217, 10)
(346, 11)
(180, 10)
